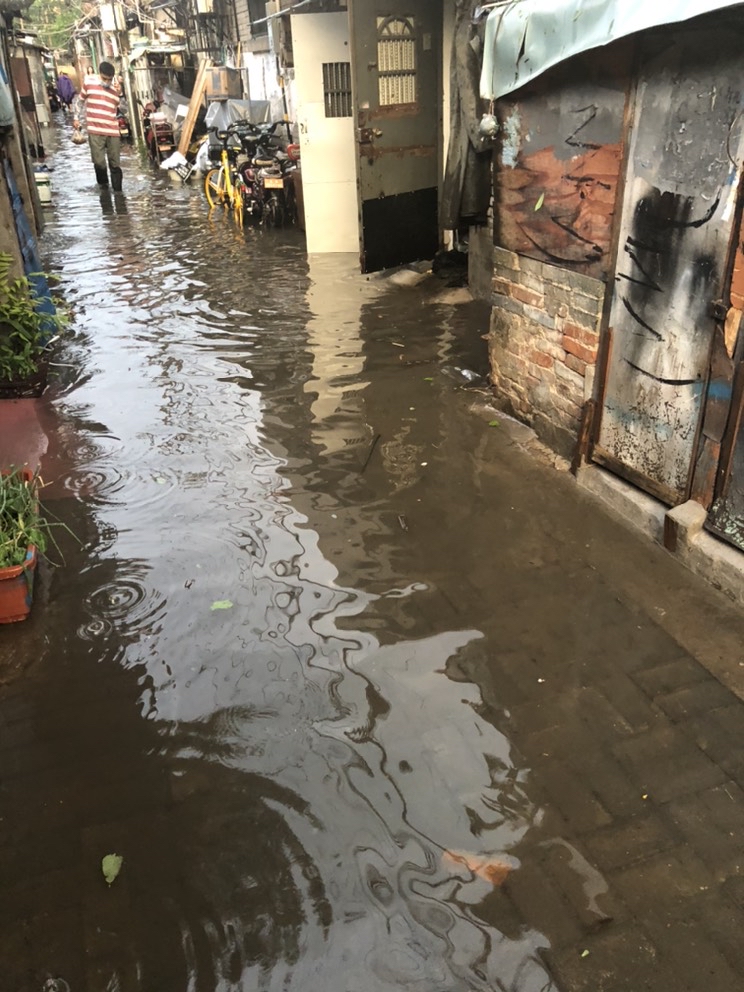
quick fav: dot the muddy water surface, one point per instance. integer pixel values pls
(264, 675)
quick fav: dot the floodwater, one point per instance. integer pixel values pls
(274, 671)
(263, 708)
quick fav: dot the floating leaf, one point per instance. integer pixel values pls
(540, 202)
(429, 378)
(222, 604)
(111, 866)
(585, 954)
(494, 423)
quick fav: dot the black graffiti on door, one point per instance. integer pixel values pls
(662, 254)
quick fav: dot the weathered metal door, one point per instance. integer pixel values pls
(675, 233)
(396, 60)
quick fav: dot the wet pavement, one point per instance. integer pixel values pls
(366, 696)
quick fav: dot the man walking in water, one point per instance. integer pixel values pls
(100, 96)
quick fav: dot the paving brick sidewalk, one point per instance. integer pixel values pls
(621, 687)
(641, 777)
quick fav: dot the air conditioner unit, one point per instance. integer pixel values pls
(205, 6)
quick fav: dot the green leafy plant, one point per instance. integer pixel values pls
(21, 522)
(24, 328)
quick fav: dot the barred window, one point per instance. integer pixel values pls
(396, 60)
(337, 89)
(257, 12)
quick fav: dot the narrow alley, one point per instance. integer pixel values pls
(366, 695)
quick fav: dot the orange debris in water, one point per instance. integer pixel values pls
(492, 869)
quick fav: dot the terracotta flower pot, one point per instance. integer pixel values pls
(17, 588)
(17, 581)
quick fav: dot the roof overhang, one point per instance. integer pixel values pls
(524, 38)
(139, 50)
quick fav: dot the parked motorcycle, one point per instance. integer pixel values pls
(267, 173)
(275, 180)
(125, 132)
(158, 132)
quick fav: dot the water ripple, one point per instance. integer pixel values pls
(125, 602)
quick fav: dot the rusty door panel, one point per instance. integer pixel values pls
(559, 160)
(726, 516)
(398, 142)
(675, 233)
(716, 416)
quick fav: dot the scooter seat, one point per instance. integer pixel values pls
(263, 163)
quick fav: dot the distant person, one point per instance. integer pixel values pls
(65, 90)
(90, 71)
(53, 96)
(100, 97)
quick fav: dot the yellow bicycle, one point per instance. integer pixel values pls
(224, 184)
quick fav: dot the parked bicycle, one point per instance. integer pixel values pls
(255, 173)
(224, 185)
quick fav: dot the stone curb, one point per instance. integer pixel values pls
(680, 530)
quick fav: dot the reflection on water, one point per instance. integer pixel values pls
(331, 791)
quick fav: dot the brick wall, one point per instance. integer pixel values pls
(543, 344)
(243, 19)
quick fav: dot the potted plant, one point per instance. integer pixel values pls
(29, 323)
(23, 536)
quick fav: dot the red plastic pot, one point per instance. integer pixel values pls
(17, 588)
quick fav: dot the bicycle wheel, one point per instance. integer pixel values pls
(237, 202)
(214, 187)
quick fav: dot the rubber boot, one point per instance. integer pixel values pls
(101, 175)
(116, 177)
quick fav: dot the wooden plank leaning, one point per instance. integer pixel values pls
(197, 96)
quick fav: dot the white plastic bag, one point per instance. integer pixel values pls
(173, 160)
(202, 162)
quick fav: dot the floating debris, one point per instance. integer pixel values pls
(111, 866)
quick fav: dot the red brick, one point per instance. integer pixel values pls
(737, 279)
(501, 286)
(574, 347)
(582, 334)
(541, 359)
(527, 296)
(575, 364)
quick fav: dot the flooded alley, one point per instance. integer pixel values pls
(366, 696)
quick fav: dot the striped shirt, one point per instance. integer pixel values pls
(101, 106)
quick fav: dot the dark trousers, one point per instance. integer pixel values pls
(102, 147)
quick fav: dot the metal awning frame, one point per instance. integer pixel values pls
(525, 38)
